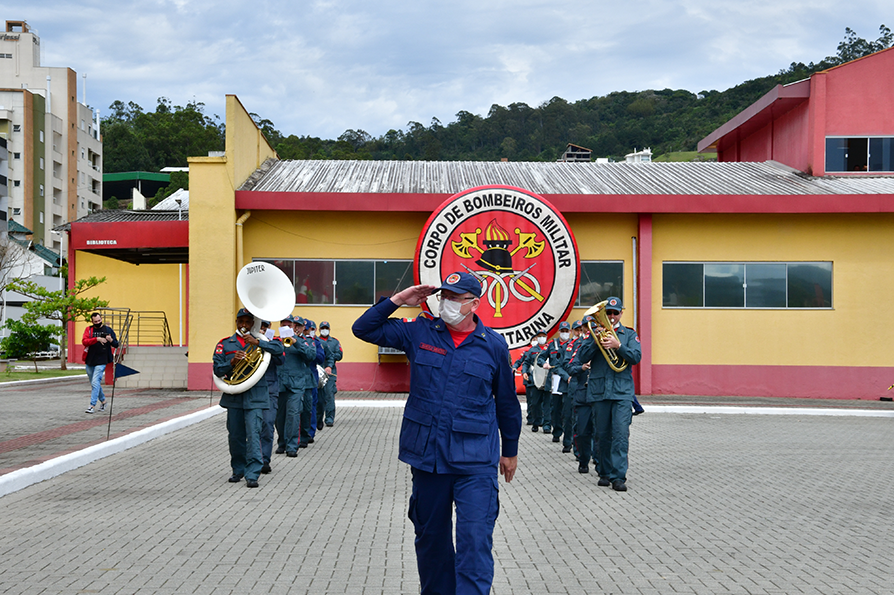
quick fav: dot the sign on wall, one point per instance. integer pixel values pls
(517, 245)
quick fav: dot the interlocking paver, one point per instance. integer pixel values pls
(718, 504)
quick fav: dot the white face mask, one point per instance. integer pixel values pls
(324, 332)
(564, 336)
(541, 340)
(534, 343)
(450, 312)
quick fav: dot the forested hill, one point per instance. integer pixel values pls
(666, 120)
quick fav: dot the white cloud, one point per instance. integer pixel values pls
(318, 68)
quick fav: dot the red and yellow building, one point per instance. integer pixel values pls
(764, 274)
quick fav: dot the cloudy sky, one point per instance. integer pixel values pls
(319, 67)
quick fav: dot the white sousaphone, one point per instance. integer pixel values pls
(268, 294)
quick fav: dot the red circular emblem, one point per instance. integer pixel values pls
(453, 278)
(517, 245)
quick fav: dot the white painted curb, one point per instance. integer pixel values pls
(22, 478)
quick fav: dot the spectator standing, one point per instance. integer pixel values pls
(98, 341)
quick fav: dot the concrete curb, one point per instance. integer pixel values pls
(79, 378)
(22, 478)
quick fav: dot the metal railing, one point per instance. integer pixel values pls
(137, 327)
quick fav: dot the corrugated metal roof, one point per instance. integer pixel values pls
(116, 215)
(448, 177)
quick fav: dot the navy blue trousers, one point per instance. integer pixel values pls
(244, 438)
(469, 566)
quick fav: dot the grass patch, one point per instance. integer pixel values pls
(685, 156)
(12, 375)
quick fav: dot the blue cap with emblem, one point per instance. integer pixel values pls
(308, 323)
(614, 303)
(461, 283)
(288, 318)
(577, 324)
(324, 324)
(564, 326)
(244, 312)
(298, 320)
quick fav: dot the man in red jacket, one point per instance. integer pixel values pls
(98, 342)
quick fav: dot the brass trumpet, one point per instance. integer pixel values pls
(602, 329)
(288, 342)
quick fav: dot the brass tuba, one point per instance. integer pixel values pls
(268, 294)
(615, 361)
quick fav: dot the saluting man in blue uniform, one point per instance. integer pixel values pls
(609, 400)
(461, 424)
(245, 409)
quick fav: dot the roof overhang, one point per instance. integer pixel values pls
(136, 242)
(778, 101)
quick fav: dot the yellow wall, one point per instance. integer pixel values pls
(212, 232)
(607, 236)
(324, 235)
(862, 282)
(144, 287)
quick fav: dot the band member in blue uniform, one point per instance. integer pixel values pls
(461, 424)
(244, 409)
(271, 377)
(334, 354)
(609, 399)
(309, 327)
(295, 396)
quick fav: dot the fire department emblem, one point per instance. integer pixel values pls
(517, 245)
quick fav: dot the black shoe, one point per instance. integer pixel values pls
(292, 453)
(266, 468)
(235, 479)
(556, 439)
(603, 482)
(638, 412)
(529, 423)
(566, 449)
(310, 440)
(304, 444)
(319, 425)
(251, 483)
(619, 486)
(280, 450)
(547, 429)
(535, 428)
(583, 469)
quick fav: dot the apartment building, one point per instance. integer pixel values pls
(53, 141)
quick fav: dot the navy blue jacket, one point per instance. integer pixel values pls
(254, 398)
(462, 399)
(295, 372)
(605, 384)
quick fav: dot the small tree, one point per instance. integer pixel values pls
(64, 305)
(26, 339)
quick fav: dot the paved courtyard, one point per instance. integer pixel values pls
(718, 504)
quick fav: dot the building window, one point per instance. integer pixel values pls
(41, 189)
(598, 281)
(345, 282)
(5, 55)
(41, 136)
(16, 211)
(16, 183)
(860, 154)
(41, 216)
(16, 155)
(16, 127)
(747, 285)
(41, 163)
